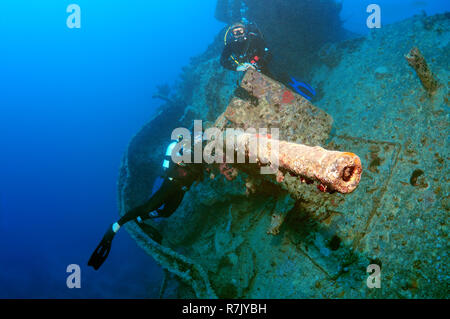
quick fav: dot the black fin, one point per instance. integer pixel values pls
(101, 253)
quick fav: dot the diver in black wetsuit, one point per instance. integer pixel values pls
(245, 48)
(178, 178)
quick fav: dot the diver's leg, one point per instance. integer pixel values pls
(174, 199)
(171, 205)
(156, 201)
(100, 254)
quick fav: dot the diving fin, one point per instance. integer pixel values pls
(303, 89)
(102, 251)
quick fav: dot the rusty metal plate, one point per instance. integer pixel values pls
(269, 104)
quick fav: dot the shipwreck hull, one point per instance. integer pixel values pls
(226, 239)
(221, 230)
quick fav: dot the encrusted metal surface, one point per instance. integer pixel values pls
(270, 104)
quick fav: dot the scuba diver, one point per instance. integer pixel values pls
(245, 48)
(177, 179)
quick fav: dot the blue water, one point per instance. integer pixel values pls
(70, 101)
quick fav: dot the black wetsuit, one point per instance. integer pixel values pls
(250, 49)
(177, 181)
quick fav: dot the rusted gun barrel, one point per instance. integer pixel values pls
(338, 171)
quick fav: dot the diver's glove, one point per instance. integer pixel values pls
(244, 67)
(102, 251)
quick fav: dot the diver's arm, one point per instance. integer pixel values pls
(267, 55)
(225, 59)
(263, 50)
